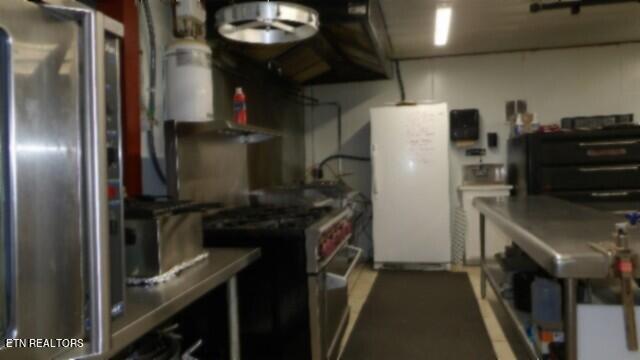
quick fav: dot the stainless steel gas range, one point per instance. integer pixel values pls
(294, 301)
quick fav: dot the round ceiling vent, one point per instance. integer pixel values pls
(267, 22)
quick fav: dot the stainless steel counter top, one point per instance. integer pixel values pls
(148, 307)
(556, 233)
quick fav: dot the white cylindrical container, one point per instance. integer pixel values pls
(189, 82)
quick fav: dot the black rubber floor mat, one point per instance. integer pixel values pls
(420, 315)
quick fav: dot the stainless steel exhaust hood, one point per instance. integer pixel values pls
(352, 45)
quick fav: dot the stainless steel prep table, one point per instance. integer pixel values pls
(148, 307)
(556, 234)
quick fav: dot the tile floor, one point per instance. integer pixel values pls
(364, 276)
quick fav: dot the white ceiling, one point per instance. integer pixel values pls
(480, 26)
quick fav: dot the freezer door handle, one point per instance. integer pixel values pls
(375, 181)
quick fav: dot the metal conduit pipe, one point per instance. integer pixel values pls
(152, 89)
(575, 5)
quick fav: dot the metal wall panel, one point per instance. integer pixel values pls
(205, 168)
(280, 161)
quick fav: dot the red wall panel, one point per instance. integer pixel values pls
(126, 12)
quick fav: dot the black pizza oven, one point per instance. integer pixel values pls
(600, 168)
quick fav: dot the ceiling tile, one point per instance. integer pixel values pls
(480, 26)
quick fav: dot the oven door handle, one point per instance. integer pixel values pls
(609, 168)
(609, 194)
(358, 253)
(609, 143)
(8, 312)
(97, 233)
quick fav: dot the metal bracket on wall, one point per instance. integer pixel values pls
(476, 152)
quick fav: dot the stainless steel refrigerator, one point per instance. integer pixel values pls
(60, 264)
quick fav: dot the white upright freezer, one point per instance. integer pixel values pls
(410, 185)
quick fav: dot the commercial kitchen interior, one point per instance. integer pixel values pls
(319, 179)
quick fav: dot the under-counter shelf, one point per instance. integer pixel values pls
(148, 307)
(243, 133)
(497, 277)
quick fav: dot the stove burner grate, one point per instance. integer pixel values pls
(264, 217)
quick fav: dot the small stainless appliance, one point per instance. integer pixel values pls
(294, 301)
(161, 235)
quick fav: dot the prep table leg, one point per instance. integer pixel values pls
(483, 276)
(234, 327)
(570, 318)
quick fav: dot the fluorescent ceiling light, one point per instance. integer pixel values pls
(443, 22)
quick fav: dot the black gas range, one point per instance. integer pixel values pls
(293, 301)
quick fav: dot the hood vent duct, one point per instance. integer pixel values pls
(351, 45)
(267, 22)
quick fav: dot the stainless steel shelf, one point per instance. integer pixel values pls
(243, 133)
(496, 277)
(148, 307)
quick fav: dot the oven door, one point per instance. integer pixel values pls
(53, 228)
(618, 202)
(606, 177)
(42, 185)
(329, 303)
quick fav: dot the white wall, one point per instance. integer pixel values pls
(555, 83)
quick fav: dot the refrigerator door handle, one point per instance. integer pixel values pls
(375, 181)
(94, 118)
